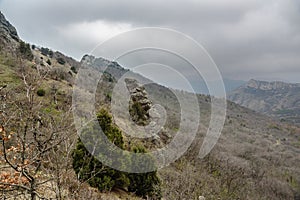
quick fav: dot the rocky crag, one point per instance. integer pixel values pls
(9, 38)
(278, 99)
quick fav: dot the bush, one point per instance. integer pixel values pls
(138, 110)
(73, 69)
(138, 113)
(92, 170)
(61, 61)
(25, 51)
(144, 184)
(108, 77)
(48, 62)
(41, 92)
(111, 131)
(97, 175)
(51, 53)
(44, 51)
(108, 96)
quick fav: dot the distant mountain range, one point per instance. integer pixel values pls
(200, 87)
(278, 99)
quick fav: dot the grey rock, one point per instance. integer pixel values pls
(7, 29)
(201, 198)
(138, 95)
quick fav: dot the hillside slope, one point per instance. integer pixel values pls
(257, 155)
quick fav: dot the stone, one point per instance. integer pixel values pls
(8, 34)
(138, 97)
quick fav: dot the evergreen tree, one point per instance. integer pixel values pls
(92, 170)
(105, 178)
(25, 51)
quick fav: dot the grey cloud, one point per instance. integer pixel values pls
(246, 38)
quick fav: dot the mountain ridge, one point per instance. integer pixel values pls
(273, 85)
(277, 99)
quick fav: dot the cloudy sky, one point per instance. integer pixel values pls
(246, 38)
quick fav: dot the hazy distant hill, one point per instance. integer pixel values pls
(278, 99)
(200, 87)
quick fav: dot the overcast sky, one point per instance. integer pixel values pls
(246, 38)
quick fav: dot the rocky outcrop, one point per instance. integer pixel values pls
(144, 113)
(278, 99)
(139, 104)
(8, 34)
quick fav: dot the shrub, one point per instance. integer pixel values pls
(58, 73)
(44, 51)
(61, 61)
(92, 170)
(111, 131)
(108, 77)
(41, 92)
(25, 51)
(73, 69)
(108, 96)
(138, 110)
(138, 113)
(50, 53)
(48, 62)
(145, 184)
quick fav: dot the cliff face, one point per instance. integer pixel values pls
(8, 34)
(264, 85)
(278, 99)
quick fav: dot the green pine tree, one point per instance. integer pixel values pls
(104, 178)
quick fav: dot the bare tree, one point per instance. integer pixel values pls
(33, 139)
